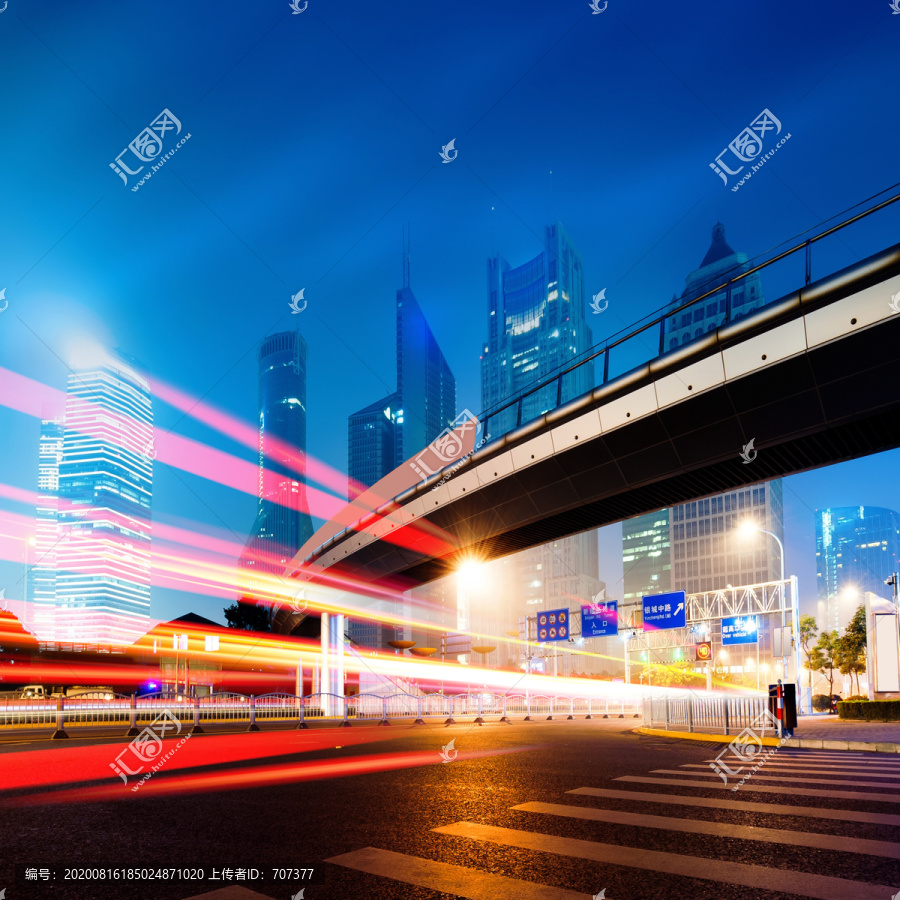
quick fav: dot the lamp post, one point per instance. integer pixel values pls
(751, 526)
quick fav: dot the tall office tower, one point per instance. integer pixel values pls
(719, 264)
(372, 433)
(41, 592)
(693, 547)
(423, 405)
(709, 553)
(857, 548)
(646, 556)
(536, 325)
(105, 486)
(282, 523)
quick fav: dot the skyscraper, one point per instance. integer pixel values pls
(384, 434)
(104, 492)
(536, 325)
(42, 575)
(857, 547)
(719, 264)
(282, 523)
(693, 546)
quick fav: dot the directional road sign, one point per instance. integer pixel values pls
(553, 625)
(600, 619)
(739, 630)
(664, 611)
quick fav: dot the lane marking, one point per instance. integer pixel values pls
(801, 768)
(779, 881)
(886, 849)
(776, 809)
(461, 881)
(766, 789)
(757, 776)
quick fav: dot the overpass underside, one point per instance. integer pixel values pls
(813, 379)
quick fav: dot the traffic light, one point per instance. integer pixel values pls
(678, 653)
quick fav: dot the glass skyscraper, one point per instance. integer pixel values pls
(283, 524)
(536, 325)
(384, 434)
(646, 556)
(857, 547)
(101, 588)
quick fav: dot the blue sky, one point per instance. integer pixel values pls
(315, 139)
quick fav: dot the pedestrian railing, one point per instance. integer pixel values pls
(134, 712)
(726, 715)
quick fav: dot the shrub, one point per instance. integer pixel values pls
(821, 701)
(857, 697)
(870, 710)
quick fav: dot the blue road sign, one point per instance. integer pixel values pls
(600, 619)
(664, 611)
(740, 630)
(553, 625)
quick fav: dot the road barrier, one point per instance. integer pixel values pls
(725, 715)
(136, 713)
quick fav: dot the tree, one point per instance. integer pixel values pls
(247, 617)
(853, 646)
(826, 654)
(808, 629)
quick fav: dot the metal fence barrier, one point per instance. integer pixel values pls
(135, 713)
(726, 715)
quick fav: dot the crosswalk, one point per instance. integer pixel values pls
(684, 815)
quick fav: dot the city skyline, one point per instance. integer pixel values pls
(191, 272)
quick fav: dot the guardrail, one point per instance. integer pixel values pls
(133, 713)
(725, 715)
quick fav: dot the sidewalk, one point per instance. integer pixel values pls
(814, 733)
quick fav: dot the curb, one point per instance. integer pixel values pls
(799, 743)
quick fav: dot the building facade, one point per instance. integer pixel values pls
(104, 486)
(857, 548)
(282, 524)
(535, 326)
(384, 434)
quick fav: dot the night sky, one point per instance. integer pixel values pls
(315, 138)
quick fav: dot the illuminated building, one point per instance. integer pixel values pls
(857, 548)
(105, 484)
(282, 524)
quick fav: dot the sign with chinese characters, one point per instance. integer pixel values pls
(664, 611)
(553, 625)
(600, 619)
(739, 630)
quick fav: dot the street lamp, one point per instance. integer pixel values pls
(747, 528)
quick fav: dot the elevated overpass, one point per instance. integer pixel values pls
(812, 378)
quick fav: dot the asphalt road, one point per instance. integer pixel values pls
(376, 812)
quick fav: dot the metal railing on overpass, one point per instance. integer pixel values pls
(133, 713)
(713, 715)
